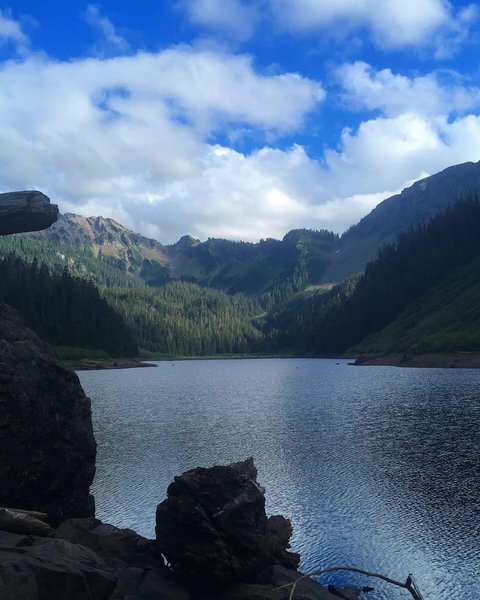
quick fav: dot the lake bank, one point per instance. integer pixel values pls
(432, 360)
(98, 365)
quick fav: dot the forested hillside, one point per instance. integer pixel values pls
(405, 272)
(64, 310)
(170, 317)
(185, 319)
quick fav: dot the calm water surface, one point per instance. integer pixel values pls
(377, 467)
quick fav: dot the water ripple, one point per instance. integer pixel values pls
(377, 467)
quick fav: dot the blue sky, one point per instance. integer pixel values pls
(234, 118)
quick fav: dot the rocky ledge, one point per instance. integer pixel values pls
(213, 542)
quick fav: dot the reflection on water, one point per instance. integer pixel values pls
(376, 466)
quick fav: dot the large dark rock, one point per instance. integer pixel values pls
(47, 448)
(106, 566)
(26, 211)
(213, 527)
(51, 569)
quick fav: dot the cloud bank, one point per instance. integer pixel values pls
(144, 137)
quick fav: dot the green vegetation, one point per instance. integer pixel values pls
(64, 310)
(444, 319)
(187, 320)
(403, 273)
(420, 294)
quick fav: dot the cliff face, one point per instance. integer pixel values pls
(47, 448)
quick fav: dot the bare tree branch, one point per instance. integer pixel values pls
(409, 584)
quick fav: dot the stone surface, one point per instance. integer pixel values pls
(140, 584)
(34, 568)
(47, 448)
(111, 542)
(23, 523)
(50, 569)
(26, 211)
(213, 527)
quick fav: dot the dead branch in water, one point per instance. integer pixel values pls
(409, 584)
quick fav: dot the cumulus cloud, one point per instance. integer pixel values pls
(231, 17)
(366, 88)
(393, 24)
(11, 33)
(109, 42)
(133, 131)
(130, 137)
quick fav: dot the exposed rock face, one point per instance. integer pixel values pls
(26, 211)
(213, 527)
(47, 448)
(102, 567)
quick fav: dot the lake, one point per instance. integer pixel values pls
(377, 467)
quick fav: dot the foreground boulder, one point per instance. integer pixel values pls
(47, 448)
(109, 564)
(213, 527)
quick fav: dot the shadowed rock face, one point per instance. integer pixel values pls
(26, 211)
(213, 527)
(47, 448)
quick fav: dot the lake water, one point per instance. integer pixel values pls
(377, 467)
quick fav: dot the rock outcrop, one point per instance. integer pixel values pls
(47, 448)
(213, 527)
(85, 558)
(26, 211)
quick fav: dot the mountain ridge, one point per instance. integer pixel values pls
(413, 205)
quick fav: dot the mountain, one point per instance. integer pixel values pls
(423, 289)
(273, 266)
(415, 204)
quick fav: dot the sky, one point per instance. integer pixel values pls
(240, 119)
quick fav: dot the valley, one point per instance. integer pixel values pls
(404, 279)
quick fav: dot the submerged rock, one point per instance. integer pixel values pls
(47, 448)
(213, 527)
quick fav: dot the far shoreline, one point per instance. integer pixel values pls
(427, 360)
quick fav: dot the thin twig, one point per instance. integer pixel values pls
(409, 584)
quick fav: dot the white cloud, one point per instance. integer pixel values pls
(232, 17)
(133, 131)
(11, 33)
(395, 94)
(130, 137)
(392, 24)
(109, 40)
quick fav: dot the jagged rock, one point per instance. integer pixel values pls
(26, 211)
(47, 448)
(213, 527)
